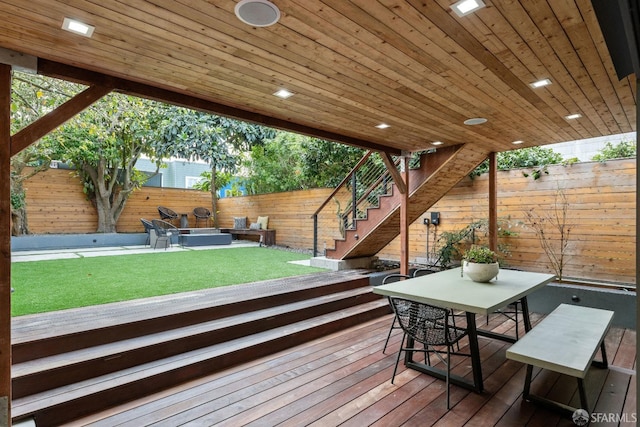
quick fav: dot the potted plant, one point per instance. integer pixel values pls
(480, 264)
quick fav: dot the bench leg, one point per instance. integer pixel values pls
(526, 393)
(548, 403)
(527, 383)
(583, 395)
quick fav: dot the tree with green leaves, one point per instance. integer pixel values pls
(275, 166)
(103, 144)
(291, 162)
(326, 163)
(32, 97)
(219, 141)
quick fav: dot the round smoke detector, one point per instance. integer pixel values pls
(257, 13)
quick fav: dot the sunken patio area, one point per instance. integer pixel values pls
(344, 379)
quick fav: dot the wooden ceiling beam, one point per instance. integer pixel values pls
(47, 123)
(79, 75)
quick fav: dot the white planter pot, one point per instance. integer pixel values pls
(481, 272)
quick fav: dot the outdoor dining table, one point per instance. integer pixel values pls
(451, 289)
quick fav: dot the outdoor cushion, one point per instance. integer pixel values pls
(263, 221)
(240, 222)
(255, 226)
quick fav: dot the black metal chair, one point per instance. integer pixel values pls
(164, 231)
(388, 279)
(202, 214)
(423, 271)
(430, 326)
(167, 214)
(148, 226)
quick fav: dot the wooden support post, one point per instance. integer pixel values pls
(404, 218)
(5, 245)
(493, 202)
(637, 220)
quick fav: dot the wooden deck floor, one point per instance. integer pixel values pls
(344, 379)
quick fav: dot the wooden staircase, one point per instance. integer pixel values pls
(438, 173)
(72, 363)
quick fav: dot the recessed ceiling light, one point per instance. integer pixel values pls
(383, 126)
(465, 7)
(517, 142)
(573, 116)
(77, 27)
(475, 121)
(437, 143)
(283, 93)
(257, 13)
(540, 83)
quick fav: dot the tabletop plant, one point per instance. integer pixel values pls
(480, 264)
(480, 255)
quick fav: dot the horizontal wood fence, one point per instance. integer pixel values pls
(601, 215)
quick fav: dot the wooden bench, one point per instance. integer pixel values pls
(566, 341)
(267, 236)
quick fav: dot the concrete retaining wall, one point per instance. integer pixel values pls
(69, 241)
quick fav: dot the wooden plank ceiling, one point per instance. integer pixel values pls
(414, 65)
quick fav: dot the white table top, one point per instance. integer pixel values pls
(447, 289)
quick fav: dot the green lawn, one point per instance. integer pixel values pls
(42, 286)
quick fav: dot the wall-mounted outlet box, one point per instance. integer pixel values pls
(435, 218)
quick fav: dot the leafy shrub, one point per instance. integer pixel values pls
(536, 158)
(623, 150)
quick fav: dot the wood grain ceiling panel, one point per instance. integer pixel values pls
(353, 64)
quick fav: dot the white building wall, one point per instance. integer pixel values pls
(585, 149)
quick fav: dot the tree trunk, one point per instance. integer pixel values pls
(106, 221)
(19, 224)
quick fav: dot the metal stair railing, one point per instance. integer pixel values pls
(359, 190)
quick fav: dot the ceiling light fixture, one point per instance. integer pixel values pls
(383, 126)
(540, 83)
(257, 13)
(475, 121)
(77, 27)
(518, 142)
(437, 143)
(283, 93)
(573, 116)
(465, 7)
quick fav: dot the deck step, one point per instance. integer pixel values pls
(62, 404)
(57, 370)
(249, 323)
(41, 335)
